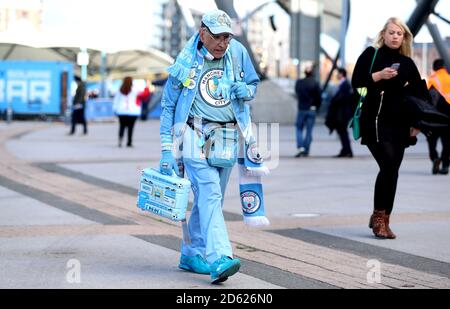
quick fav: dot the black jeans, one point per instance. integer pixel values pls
(127, 122)
(345, 141)
(432, 143)
(389, 156)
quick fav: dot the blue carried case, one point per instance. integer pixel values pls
(163, 195)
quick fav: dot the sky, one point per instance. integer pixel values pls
(113, 23)
(116, 24)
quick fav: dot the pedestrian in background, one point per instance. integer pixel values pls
(78, 105)
(439, 86)
(309, 95)
(340, 112)
(385, 127)
(209, 85)
(145, 96)
(127, 106)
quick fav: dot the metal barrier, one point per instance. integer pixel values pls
(99, 109)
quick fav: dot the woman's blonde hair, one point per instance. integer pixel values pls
(406, 48)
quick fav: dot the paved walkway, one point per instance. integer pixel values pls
(68, 217)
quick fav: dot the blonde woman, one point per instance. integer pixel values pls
(384, 127)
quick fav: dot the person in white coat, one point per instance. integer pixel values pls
(127, 106)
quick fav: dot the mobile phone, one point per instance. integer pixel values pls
(395, 66)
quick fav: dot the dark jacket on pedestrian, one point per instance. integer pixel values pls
(79, 102)
(341, 107)
(384, 112)
(308, 93)
(427, 109)
(80, 94)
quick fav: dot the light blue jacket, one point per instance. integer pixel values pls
(177, 100)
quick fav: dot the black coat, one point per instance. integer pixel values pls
(79, 102)
(341, 108)
(80, 94)
(384, 112)
(308, 93)
(426, 115)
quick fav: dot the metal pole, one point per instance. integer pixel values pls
(420, 15)
(344, 25)
(295, 36)
(440, 45)
(9, 112)
(424, 58)
(84, 65)
(84, 73)
(441, 17)
(327, 82)
(103, 93)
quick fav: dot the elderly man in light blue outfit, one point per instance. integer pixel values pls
(211, 82)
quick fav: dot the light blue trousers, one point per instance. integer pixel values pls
(207, 229)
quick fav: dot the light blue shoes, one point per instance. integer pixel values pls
(223, 268)
(220, 270)
(196, 264)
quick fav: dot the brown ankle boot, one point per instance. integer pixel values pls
(390, 234)
(379, 224)
(371, 222)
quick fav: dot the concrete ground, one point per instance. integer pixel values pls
(68, 216)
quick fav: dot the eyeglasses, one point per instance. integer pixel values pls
(216, 38)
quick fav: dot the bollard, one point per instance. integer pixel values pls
(9, 114)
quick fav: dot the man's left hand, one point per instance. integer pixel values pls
(240, 90)
(224, 90)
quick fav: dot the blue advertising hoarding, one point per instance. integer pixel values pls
(35, 87)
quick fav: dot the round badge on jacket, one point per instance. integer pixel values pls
(209, 83)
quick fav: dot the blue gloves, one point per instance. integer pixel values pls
(229, 91)
(223, 90)
(240, 90)
(168, 164)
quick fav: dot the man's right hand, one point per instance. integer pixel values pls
(168, 164)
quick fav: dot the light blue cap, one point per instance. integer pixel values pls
(218, 22)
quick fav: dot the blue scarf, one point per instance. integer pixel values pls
(251, 169)
(184, 63)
